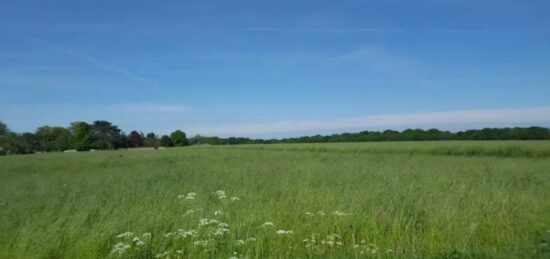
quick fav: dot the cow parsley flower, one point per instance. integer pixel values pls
(267, 224)
(165, 254)
(120, 248)
(234, 198)
(125, 234)
(239, 242)
(186, 233)
(283, 232)
(221, 194)
(201, 243)
(206, 222)
(221, 231)
(189, 196)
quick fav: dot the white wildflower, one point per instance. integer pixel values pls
(147, 235)
(221, 231)
(283, 232)
(189, 196)
(179, 252)
(234, 198)
(217, 212)
(201, 243)
(250, 239)
(267, 224)
(309, 213)
(169, 234)
(125, 234)
(239, 242)
(189, 212)
(321, 213)
(187, 233)
(120, 248)
(140, 243)
(165, 254)
(206, 222)
(223, 225)
(221, 194)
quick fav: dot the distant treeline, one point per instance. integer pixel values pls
(531, 133)
(103, 135)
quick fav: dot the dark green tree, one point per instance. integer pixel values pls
(135, 139)
(54, 138)
(3, 129)
(83, 136)
(178, 138)
(151, 140)
(166, 141)
(107, 136)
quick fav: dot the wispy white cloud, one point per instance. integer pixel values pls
(100, 63)
(487, 117)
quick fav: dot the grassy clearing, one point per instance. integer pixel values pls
(371, 204)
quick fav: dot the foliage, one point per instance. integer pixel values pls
(107, 136)
(166, 141)
(53, 138)
(83, 135)
(136, 139)
(151, 140)
(179, 138)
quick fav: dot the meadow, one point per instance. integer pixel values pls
(485, 199)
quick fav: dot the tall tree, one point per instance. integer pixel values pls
(3, 129)
(135, 139)
(166, 141)
(178, 138)
(106, 136)
(151, 140)
(83, 136)
(53, 138)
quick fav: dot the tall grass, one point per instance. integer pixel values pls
(322, 204)
(534, 149)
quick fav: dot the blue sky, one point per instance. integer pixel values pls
(275, 68)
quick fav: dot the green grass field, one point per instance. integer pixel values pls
(360, 200)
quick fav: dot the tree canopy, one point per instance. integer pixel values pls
(178, 138)
(102, 134)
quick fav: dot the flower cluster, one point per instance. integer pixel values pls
(282, 232)
(221, 194)
(267, 224)
(121, 247)
(189, 196)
